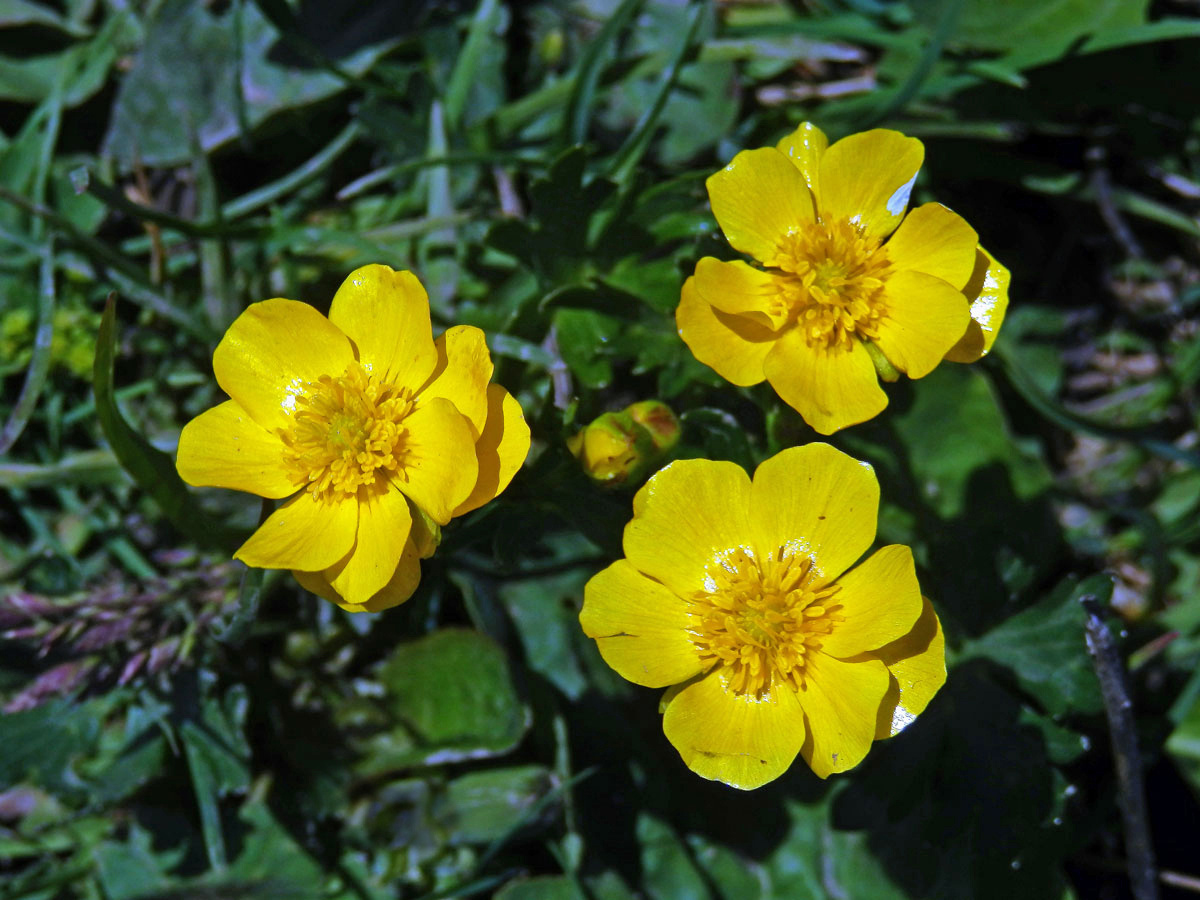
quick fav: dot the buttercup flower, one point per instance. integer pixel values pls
(848, 288)
(376, 432)
(739, 596)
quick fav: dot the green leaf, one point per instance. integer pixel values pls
(153, 470)
(453, 696)
(667, 869)
(481, 807)
(39, 744)
(1044, 648)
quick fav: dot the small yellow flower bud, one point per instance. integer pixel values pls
(614, 448)
(657, 418)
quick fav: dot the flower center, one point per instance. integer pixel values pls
(344, 431)
(833, 283)
(760, 618)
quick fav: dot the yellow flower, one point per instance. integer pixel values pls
(376, 432)
(739, 596)
(849, 287)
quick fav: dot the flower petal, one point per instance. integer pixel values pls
(304, 533)
(733, 346)
(804, 147)
(739, 289)
(987, 290)
(880, 601)
(402, 585)
(640, 627)
(917, 662)
(386, 314)
(740, 740)
(818, 500)
(925, 318)
(384, 525)
(937, 241)
(439, 465)
(830, 387)
(758, 199)
(501, 449)
(224, 447)
(463, 370)
(272, 352)
(841, 700)
(688, 515)
(866, 179)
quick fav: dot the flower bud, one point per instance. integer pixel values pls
(657, 418)
(614, 448)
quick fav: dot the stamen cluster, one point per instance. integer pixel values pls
(759, 618)
(833, 284)
(344, 431)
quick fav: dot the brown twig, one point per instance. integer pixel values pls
(1131, 793)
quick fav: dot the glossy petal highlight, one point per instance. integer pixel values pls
(640, 627)
(987, 292)
(804, 147)
(866, 179)
(274, 351)
(224, 447)
(917, 663)
(738, 740)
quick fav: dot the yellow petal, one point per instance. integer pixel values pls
(925, 318)
(224, 447)
(987, 291)
(739, 289)
(804, 147)
(733, 346)
(439, 465)
(819, 501)
(640, 627)
(272, 352)
(830, 388)
(867, 178)
(917, 662)
(934, 240)
(841, 700)
(880, 601)
(384, 524)
(501, 449)
(302, 534)
(463, 370)
(690, 514)
(386, 314)
(758, 199)
(403, 583)
(740, 740)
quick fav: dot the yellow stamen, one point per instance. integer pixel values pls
(759, 618)
(344, 431)
(832, 284)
